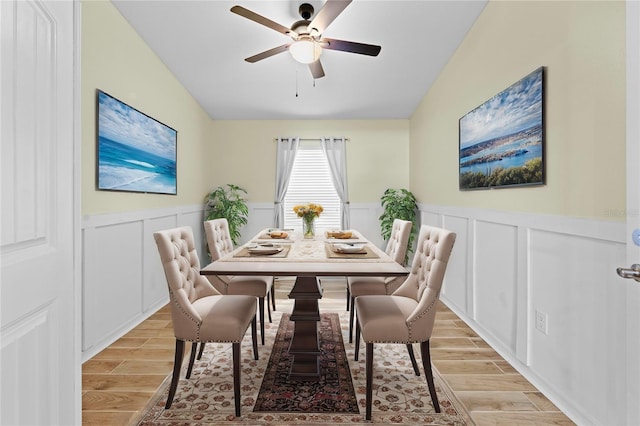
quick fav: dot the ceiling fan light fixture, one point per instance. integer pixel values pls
(305, 51)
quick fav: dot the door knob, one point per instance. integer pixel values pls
(633, 272)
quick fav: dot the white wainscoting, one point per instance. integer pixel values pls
(506, 266)
(123, 280)
(503, 268)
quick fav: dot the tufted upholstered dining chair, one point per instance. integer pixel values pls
(407, 315)
(220, 244)
(198, 311)
(397, 249)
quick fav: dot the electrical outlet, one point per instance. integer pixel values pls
(542, 323)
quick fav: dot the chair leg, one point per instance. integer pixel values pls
(269, 309)
(357, 348)
(236, 376)
(254, 337)
(369, 374)
(348, 297)
(177, 364)
(261, 313)
(273, 296)
(201, 351)
(192, 358)
(351, 314)
(426, 364)
(413, 359)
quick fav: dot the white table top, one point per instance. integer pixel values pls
(307, 257)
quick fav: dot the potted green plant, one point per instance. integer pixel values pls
(398, 204)
(228, 202)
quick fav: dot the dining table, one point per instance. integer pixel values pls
(286, 253)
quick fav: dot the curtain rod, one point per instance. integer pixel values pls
(310, 139)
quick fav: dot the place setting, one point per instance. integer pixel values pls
(252, 249)
(342, 236)
(349, 250)
(281, 235)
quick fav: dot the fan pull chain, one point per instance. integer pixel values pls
(296, 83)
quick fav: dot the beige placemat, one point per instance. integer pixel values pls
(244, 252)
(367, 253)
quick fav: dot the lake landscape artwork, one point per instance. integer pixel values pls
(502, 140)
(136, 153)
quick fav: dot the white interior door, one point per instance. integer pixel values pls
(632, 287)
(40, 380)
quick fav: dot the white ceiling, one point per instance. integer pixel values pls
(204, 45)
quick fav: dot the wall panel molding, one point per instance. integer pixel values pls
(544, 255)
(507, 265)
(122, 277)
(120, 263)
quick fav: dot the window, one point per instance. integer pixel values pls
(311, 183)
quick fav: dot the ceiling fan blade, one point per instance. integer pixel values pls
(262, 20)
(350, 46)
(316, 69)
(326, 15)
(267, 53)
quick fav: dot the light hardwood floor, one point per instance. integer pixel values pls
(119, 381)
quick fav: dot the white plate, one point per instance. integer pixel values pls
(264, 250)
(348, 248)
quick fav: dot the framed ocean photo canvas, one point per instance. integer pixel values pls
(135, 152)
(501, 142)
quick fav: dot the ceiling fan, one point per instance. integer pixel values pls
(307, 41)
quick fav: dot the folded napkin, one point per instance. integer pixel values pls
(278, 234)
(339, 234)
(281, 238)
(282, 251)
(367, 253)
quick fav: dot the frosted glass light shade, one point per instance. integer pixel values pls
(305, 51)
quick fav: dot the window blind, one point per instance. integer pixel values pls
(311, 183)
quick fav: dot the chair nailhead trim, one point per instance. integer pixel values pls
(423, 313)
(198, 324)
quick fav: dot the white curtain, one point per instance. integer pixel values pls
(336, 153)
(286, 153)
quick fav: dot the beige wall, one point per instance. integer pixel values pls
(211, 153)
(582, 46)
(116, 60)
(244, 153)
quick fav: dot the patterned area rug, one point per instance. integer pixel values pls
(332, 393)
(400, 397)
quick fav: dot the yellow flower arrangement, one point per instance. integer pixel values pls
(308, 213)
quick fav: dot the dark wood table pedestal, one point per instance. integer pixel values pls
(305, 343)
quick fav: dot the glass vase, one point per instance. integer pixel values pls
(308, 227)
